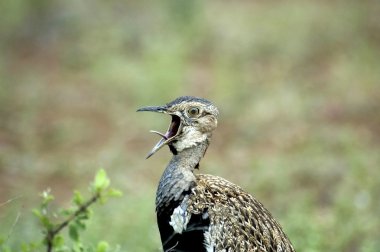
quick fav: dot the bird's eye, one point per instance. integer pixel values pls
(193, 111)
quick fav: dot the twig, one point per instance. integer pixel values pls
(17, 216)
(9, 201)
(14, 225)
(54, 231)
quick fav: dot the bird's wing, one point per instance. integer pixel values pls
(238, 222)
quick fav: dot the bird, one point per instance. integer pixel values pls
(201, 212)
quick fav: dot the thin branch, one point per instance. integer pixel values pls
(13, 225)
(17, 216)
(54, 231)
(9, 201)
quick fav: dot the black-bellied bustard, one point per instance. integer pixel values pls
(198, 212)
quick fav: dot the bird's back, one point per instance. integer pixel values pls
(237, 221)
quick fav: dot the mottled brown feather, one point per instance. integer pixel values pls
(238, 222)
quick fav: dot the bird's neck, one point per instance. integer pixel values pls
(178, 176)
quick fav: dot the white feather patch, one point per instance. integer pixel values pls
(208, 243)
(179, 219)
(190, 138)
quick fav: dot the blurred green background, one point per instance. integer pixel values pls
(297, 84)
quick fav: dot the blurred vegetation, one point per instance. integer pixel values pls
(297, 84)
(54, 221)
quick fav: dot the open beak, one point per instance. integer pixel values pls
(173, 130)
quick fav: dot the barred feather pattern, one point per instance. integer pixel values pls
(238, 222)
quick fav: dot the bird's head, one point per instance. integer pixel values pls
(193, 120)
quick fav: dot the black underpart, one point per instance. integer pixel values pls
(191, 240)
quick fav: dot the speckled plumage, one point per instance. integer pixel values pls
(206, 212)
(238, 222)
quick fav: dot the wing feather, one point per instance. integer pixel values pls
(238, 222)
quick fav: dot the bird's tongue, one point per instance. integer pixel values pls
(164, 136)
(170, 133)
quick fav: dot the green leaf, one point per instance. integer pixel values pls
(58, 241)
(78, 247)
(37, 213)
(42, 218)
(114, 193)
(78, 198)
(102, 246)
(80, 224)
(73, 233)
(101, 181)
(28, 247)
(67, 212)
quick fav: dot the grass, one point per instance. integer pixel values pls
(297, 85)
